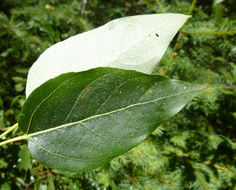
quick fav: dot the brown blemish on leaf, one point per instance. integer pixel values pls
(88, 89)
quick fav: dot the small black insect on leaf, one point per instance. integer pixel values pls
(157, 35)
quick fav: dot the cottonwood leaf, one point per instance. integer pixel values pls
(135, 43)
(80, 121)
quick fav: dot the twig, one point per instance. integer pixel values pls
(178, 40)
(220, 168)
(9, 130)
(150, 6)
(232, 32)
(192, 6)
(17, 181)
(23, 137)
(169, 185)
(84, 6)
(144, 155)
(200, 179)
(186, 155)
(159, 4)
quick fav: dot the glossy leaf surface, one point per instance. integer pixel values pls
(80, 121)
(135, 43)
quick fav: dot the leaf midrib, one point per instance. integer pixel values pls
(108, 113)
(38, 106)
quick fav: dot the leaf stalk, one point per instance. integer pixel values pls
(9, 130)
(23, 137)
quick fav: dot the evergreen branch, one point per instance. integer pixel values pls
(200, 179)
(232, 32)
(178, 40)
(191, 7)
(14, 31)
(144, 155)
(132, 178)
(156, 186)
(150, 6)
(169, 185)
(186, 155)
(122, 158)
(173, 54)
(159, 4)
(84, 6)
(9, 130)
(17, 181)
(167, 182)
(220, 168)
(162, 182)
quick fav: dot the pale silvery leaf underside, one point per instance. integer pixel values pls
(133, 43)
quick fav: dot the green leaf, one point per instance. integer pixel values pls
(25, 161)
(73, 186)
(3, 164)
(51, 185)
(43, 186)
(80, 121)
(134, 42)
(113, 186)
(5, 186)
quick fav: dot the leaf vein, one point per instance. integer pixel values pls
(73, 107)
(31, 117)
(108, 113)
(111, 96)
(61, 155)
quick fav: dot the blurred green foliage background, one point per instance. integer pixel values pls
(193, 150)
